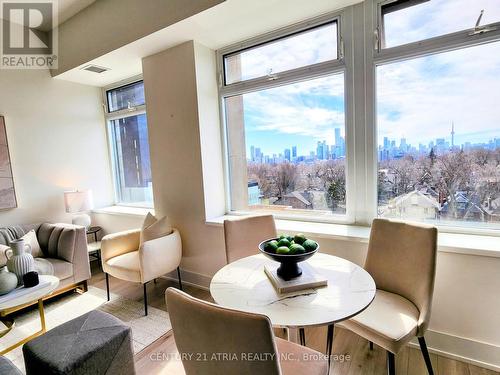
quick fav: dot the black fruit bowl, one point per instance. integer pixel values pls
(289, 268)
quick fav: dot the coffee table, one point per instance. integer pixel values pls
(24, 297)
(243, 285)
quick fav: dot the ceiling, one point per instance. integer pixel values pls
(219, 26)
(64, 9)
(68, 8)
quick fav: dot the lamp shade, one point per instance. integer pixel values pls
(78, 201)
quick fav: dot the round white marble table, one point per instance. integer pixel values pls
(243, 285)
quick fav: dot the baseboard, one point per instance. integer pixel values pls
(466, 350)
(191, 278)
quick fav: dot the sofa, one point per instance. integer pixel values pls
(64, 248)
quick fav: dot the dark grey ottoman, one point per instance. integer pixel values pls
(8, 368)
(94, 343)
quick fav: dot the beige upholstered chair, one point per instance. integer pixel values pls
(402, 260)
(125, 258)
(243, 236)
(205, 332)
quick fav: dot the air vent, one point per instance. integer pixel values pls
(95, 69)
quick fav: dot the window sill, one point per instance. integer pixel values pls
(469, 244)
(123, 210)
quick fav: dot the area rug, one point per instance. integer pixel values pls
(145, 329)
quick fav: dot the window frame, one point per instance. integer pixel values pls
(377, 56)
(341, 65)
(112, 151)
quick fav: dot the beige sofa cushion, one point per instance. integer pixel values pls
(30, 238)
(62, 269)
(390, 321)
(154, 228)
(43, 266)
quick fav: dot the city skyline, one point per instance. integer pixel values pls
(396, 148)
(413, 102)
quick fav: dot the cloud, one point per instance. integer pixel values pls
(437, 17)
(314, 46)
(431, 92)
(309, 109)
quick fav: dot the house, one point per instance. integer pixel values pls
(415, 205)
(295, 199)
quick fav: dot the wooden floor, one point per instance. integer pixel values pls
(160, 357)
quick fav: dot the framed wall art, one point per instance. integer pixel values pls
(7, 191)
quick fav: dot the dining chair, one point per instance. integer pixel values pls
(243, 236)
(402, 260)
(214, 340)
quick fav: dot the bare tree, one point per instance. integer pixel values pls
(453, 173)
(332, 174)
(284, 176)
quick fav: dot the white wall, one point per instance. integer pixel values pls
(57, 140)
(173, 111)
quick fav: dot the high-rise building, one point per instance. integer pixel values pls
(287, 154)
(403, 146)
(258, 155)
(319, 150)
(294, 151)
(452, 135)
(252, 153)
(337, 136)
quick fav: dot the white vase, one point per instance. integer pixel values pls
(8, 281)
(19, 261)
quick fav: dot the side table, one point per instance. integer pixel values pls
(94, 248)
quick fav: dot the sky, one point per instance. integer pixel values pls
(416, 99)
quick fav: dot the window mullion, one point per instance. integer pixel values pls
(457, 40)
(296, 75)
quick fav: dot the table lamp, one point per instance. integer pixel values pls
(79, 202)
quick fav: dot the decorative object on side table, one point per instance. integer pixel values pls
(8, 281)
(31, 279)
(20, 262)
(289, 251)
(79, 202)
(7, 191)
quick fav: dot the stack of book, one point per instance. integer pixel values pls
(308, 280)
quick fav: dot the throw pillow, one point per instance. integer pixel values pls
(30, 238)
(153, 228)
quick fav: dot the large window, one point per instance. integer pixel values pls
(286, 141)
(128, 133)
(326, 122)
(438, 120)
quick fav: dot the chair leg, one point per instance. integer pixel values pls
(329, 343)
(302, 336)
(371, 345)
(179, 277)
(391, 364)
(145, 300)
(107, 285)
(425, 353)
